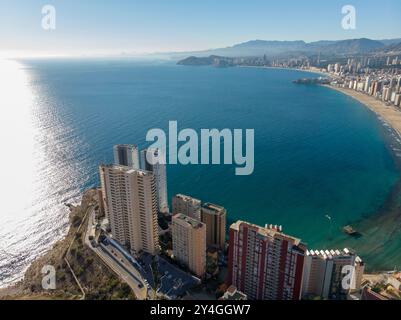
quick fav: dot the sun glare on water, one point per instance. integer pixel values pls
(37, 173)
(16, 141)
(26, 229)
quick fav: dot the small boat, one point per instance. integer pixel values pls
(351, 231)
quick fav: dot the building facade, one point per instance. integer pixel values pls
(323, 273)
(214, 216)
(130, 203)
(126, 155)
(264, 263)
(189, 243)
(187, 205)
(149, 161)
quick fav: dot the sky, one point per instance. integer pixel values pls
(101, 27)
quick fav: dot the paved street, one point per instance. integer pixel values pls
(117, 262)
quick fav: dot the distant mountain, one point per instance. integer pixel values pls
(217, 61)
(250, 48)
(393, 48)
(353, 46)
(389, 42)
(261, 47)
(277, 48)
(198, 61)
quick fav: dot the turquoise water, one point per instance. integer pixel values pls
(317, 152)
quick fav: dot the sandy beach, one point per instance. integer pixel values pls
(390, 114)
(310, 70)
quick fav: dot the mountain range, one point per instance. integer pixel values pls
(278, 48)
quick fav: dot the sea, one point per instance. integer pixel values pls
(322, 159)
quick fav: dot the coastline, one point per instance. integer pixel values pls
(383, 228)
(76, 266)
(390, 114)
(371, 103)
(317, 71)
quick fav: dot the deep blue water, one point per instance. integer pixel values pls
(317, 152)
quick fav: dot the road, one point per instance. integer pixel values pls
(117, 263)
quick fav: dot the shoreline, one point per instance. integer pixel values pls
(390, 114)
(383, 227)
(80, 273)
(317, 71)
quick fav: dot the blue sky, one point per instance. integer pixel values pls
(104, 27)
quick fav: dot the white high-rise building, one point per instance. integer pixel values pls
(398, 85)
(337, 68)
(386, 93)
(189, 243)
(159, 171)
(397, 100)
(126, 155)
(367, 84)
(130, 202)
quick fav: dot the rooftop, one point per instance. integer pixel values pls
(233, 293)
(131, 146)
(268, 230)
(328, 254)
(126, 169)
(192, 222)
(186, 198)
(214, 207)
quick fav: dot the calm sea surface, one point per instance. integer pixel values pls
(317, 152)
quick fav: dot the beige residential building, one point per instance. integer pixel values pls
(359, 271)
(214, 216)
(189, 243)
(323, 273)
(130, 202)
(187, 205)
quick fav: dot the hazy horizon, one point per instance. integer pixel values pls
(142, 27)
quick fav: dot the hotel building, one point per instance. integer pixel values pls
(214, 216)
(130, 202)
(264, 263)
(126, 155)
(187, 205)
(323, 274)
(150, 162)
(189, 243)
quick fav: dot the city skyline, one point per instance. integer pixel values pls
(137, 27)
